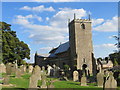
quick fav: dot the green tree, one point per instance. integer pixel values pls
(12, 48)
(115, 57)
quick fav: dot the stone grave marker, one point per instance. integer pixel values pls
(6, 80)
(49, 70)
(37, 72)
(30, 69)
(75, 76)
(44, 80)
(51, 84)
(110, 83)
(100, 79)
(23, 69)
(8, 68)
(2, 68)
(83, 81)
(18, 73)
(13, 68)
(33, 81)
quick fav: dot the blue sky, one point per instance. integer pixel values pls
(44, 25)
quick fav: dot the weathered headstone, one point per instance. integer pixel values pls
(49, 69)
(33, 81)
(30, 69)
(2, 68)
(75, 76)
(23, 69)
(13, 68)
(83, 81)
(44, 80)
(18, 73)
(100, 79)
(8, 68)
(6, 80)
(110, 82)
(51, 84)
(55, 71)
(37, 72)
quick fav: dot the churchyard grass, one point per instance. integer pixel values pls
(23, 82)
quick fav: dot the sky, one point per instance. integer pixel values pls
(44, 25)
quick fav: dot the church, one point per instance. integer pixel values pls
(77, 52)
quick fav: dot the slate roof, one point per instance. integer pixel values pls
(62, 48)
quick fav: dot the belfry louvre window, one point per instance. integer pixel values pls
(83, 26)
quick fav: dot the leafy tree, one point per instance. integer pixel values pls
(115, 57)
(12, 48)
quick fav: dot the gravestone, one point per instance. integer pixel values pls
(6, 80)
(100, 79)
(8, 68)
(83, 81)
(44, 80)
(2, 68)
(30, 69)
(110, 82)
(51, 84)
(49, 70)
(18, 73)
(75, 76)
(23, 69)
(55, 71)
(33, 81)
(13, 68)
(37, 72)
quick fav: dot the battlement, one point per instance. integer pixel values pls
(80, 21)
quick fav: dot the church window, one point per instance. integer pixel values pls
(84, 60)
(83, 26)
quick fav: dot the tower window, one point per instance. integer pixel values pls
(84, 60)
(83, 26)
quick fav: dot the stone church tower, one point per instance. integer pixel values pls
(81, 47)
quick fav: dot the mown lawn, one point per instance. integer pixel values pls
(23, 82)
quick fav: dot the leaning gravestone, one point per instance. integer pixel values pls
(18, 73)
(6, 80)
(100, 79)
(110, 82)
(8, 68)
(33, 81)
(75, 76)
(83, 81)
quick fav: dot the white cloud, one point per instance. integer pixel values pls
(46, 48)
(108, 45)
(56, 31)
(23, 20)
(108, 25)
(97, 21)
(60, 19)
(40, 8)
(47, 18)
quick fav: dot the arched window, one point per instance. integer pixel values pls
(84, 60)
(83, 26)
